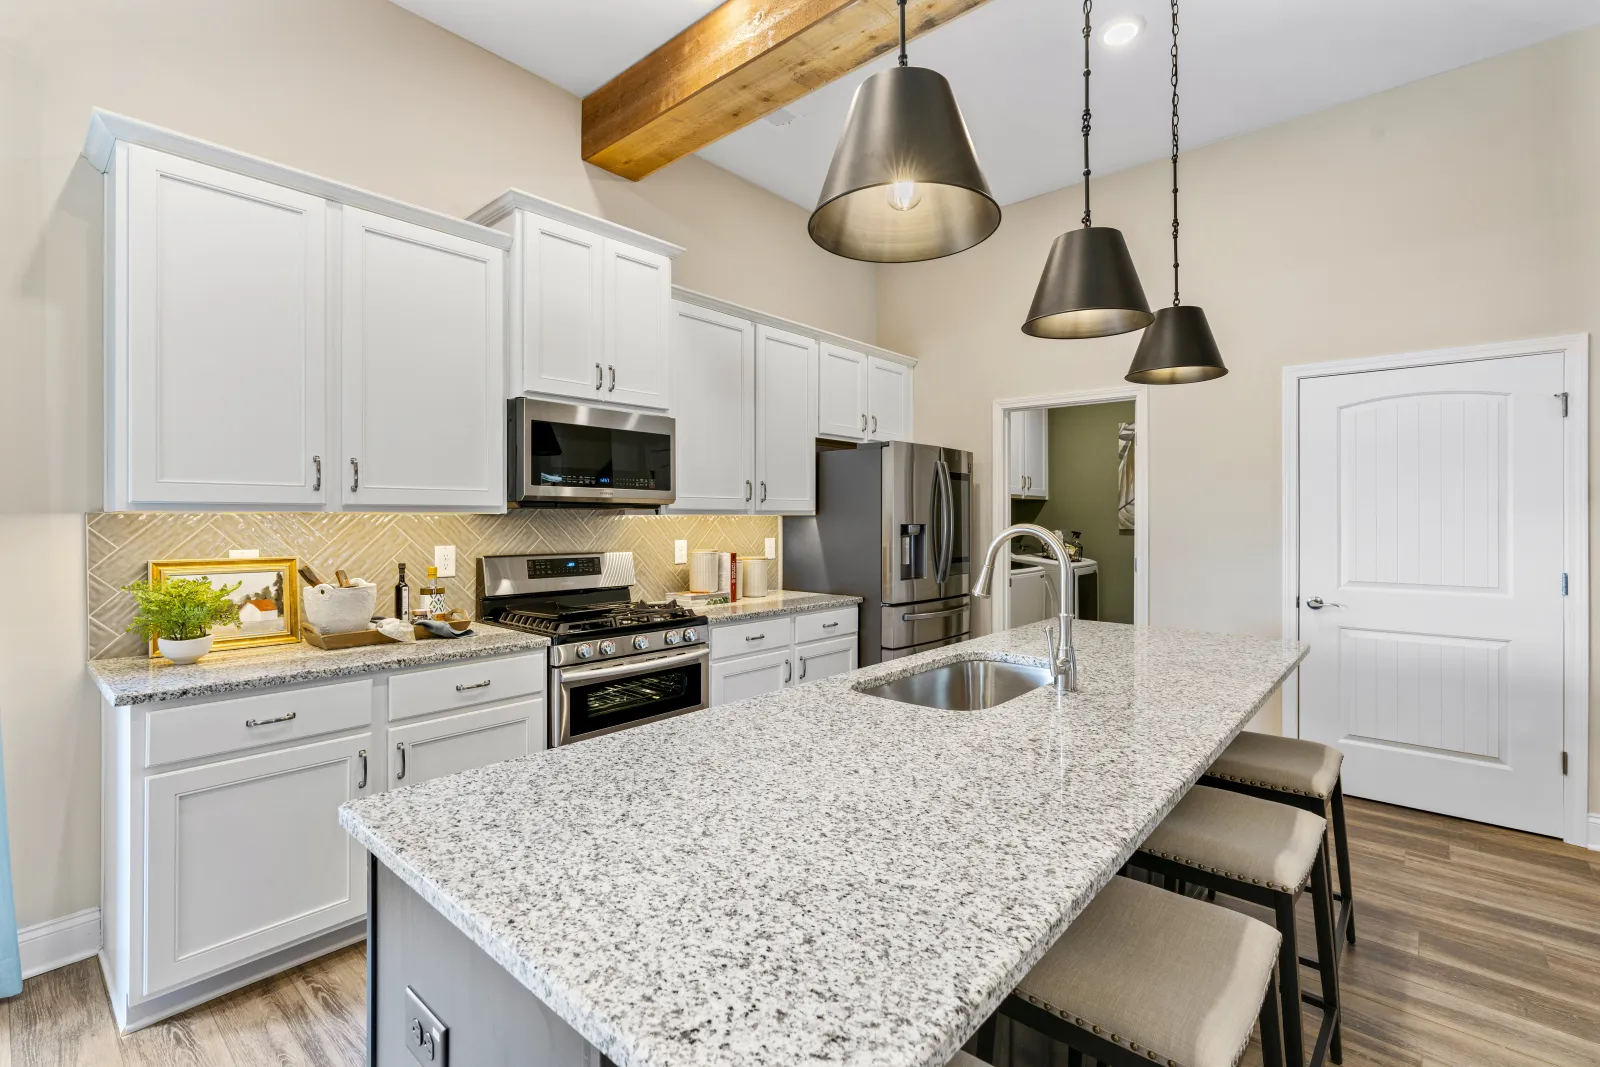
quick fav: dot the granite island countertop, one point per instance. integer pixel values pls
(140, 679)
(778, 602)
(817, 875)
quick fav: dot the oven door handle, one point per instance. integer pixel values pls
(601, 671)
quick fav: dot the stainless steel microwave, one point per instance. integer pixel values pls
(578, 455)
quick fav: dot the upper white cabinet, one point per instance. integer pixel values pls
(276, 340)
(422, 341)
(862, 397)
(714, 390)
(786, 419)
(590, 309)
(220, 335)
(1029, 453)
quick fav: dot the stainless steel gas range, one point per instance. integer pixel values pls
(614, 662)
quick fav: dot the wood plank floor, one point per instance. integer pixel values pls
(1479, 947)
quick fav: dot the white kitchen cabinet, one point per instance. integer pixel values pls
(888, 400)
(638, 312)
(562, 300)
(432, 749)
(217, 326)
(824, 659)
(842, 392)
(423, 421)
(714, 405)
(1029, 453)
(247, 854)
(786, 420)
(749, 676)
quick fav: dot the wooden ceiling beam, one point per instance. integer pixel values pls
(740, 62)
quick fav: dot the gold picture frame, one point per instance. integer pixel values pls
(276, 579)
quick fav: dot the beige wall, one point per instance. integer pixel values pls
(1458, 210)
(357, 90)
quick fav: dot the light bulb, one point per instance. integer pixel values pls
(1122, 31)
(903, 196)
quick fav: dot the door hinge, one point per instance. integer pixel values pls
(1563, 398)
(1563, 763)
(1563, 583)
(1297, 600)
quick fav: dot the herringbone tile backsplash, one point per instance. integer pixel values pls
(370, 546)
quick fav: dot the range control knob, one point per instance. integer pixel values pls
(607, 647)
(585, 650)
(641, 642)
(672, 637)
(691, 635)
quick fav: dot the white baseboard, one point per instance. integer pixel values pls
(1594, 830)
(46, 946)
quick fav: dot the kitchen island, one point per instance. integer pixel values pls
(812, 876)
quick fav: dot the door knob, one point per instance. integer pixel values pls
(1316, 603)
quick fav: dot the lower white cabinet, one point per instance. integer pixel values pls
(455, 743)
(750, 676)
(824, 659)
(245, 855)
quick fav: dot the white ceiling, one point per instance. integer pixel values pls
(1015, 66)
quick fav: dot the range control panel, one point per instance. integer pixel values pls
(562, 566)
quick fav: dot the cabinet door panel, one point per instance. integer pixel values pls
(888, 400)
(713, 390)
(458, 743)
(638, 304)
(1038, 459)
(748, 676)
(842, 393)
(421, 367)
(786, 422)
(226, 336)
(563, 326)
(246, 856)
(1017, 452)
(824, 659)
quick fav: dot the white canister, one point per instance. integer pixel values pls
(703, 571)
(752, 577)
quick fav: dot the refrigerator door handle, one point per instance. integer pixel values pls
(918, 616)
(947, 514)
(936, 522)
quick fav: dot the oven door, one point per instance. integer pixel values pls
(602, 698)
(580, 456)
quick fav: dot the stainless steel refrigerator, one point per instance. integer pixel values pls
(893, 526)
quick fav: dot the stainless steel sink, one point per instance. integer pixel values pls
(965, 685)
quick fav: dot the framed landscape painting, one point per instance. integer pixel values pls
(268, 597)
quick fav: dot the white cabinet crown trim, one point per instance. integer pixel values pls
(515, 200)
(106, 128)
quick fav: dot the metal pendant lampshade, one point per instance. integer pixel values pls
(1088, 289)
(1177, 349)
(905, 184)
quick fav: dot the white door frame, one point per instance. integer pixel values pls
(1574, 348)
(1000, 488)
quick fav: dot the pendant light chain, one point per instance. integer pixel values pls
(903, 33)
(1175, 300)
(1088, 6)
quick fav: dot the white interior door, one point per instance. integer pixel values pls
(786, 423)
(1431, 532)
(714, 396)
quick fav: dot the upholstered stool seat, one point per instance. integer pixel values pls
(1144, 976)
(1282, 764)
(1265, 853)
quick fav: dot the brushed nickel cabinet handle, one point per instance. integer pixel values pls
(749, 490)
(802, 668)
(613, 371)
(788, 670)
(475, 685)
(763, 492)
(829, 625)
(269, 722)
(401, 748)
(363, 783)
(863, 424)
(599, 376)
(316, 461)
(355, 474)
(756, 637)
(874, 424)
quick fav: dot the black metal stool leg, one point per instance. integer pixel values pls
(1322, 907)
(986, 1034)
(1341, 844)
(1289, 979)
(1271, 1031)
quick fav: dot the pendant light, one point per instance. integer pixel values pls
(1089, 287)
(1178, 347)
(904, 184)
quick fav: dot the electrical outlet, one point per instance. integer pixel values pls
(680, 552)
(772, 548)
(444, 560)
(244, 553)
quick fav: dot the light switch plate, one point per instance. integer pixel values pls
(444, 560)
(244, 553)
(772, 548)
(680, 552)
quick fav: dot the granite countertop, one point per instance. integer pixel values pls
(817, 875)
(140, 679)
(777, 602)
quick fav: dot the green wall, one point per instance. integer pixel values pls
(1083, 496)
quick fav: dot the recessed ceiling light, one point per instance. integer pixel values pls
(1122, 31)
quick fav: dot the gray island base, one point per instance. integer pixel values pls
(814, 876)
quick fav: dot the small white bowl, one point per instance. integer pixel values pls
(184, 652)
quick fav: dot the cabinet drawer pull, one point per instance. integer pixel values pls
(788, 671)
(475, 685)
(355, 474)
(401, 773)
(599, 376)
(316, 461)
(756, 637)
(363, 783)
(749, 490)
(269, 722)
(802, 668)
(763, 492)
(829, 625)
(613, 371)
(874, 424)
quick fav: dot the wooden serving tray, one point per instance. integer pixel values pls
(357, 638)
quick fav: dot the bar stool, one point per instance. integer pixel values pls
(1147, 977)
(1263, 853)
(1292, 771)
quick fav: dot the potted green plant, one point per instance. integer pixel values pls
(178, 615)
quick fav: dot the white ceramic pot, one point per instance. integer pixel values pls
(184, 651)
(335, 610)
